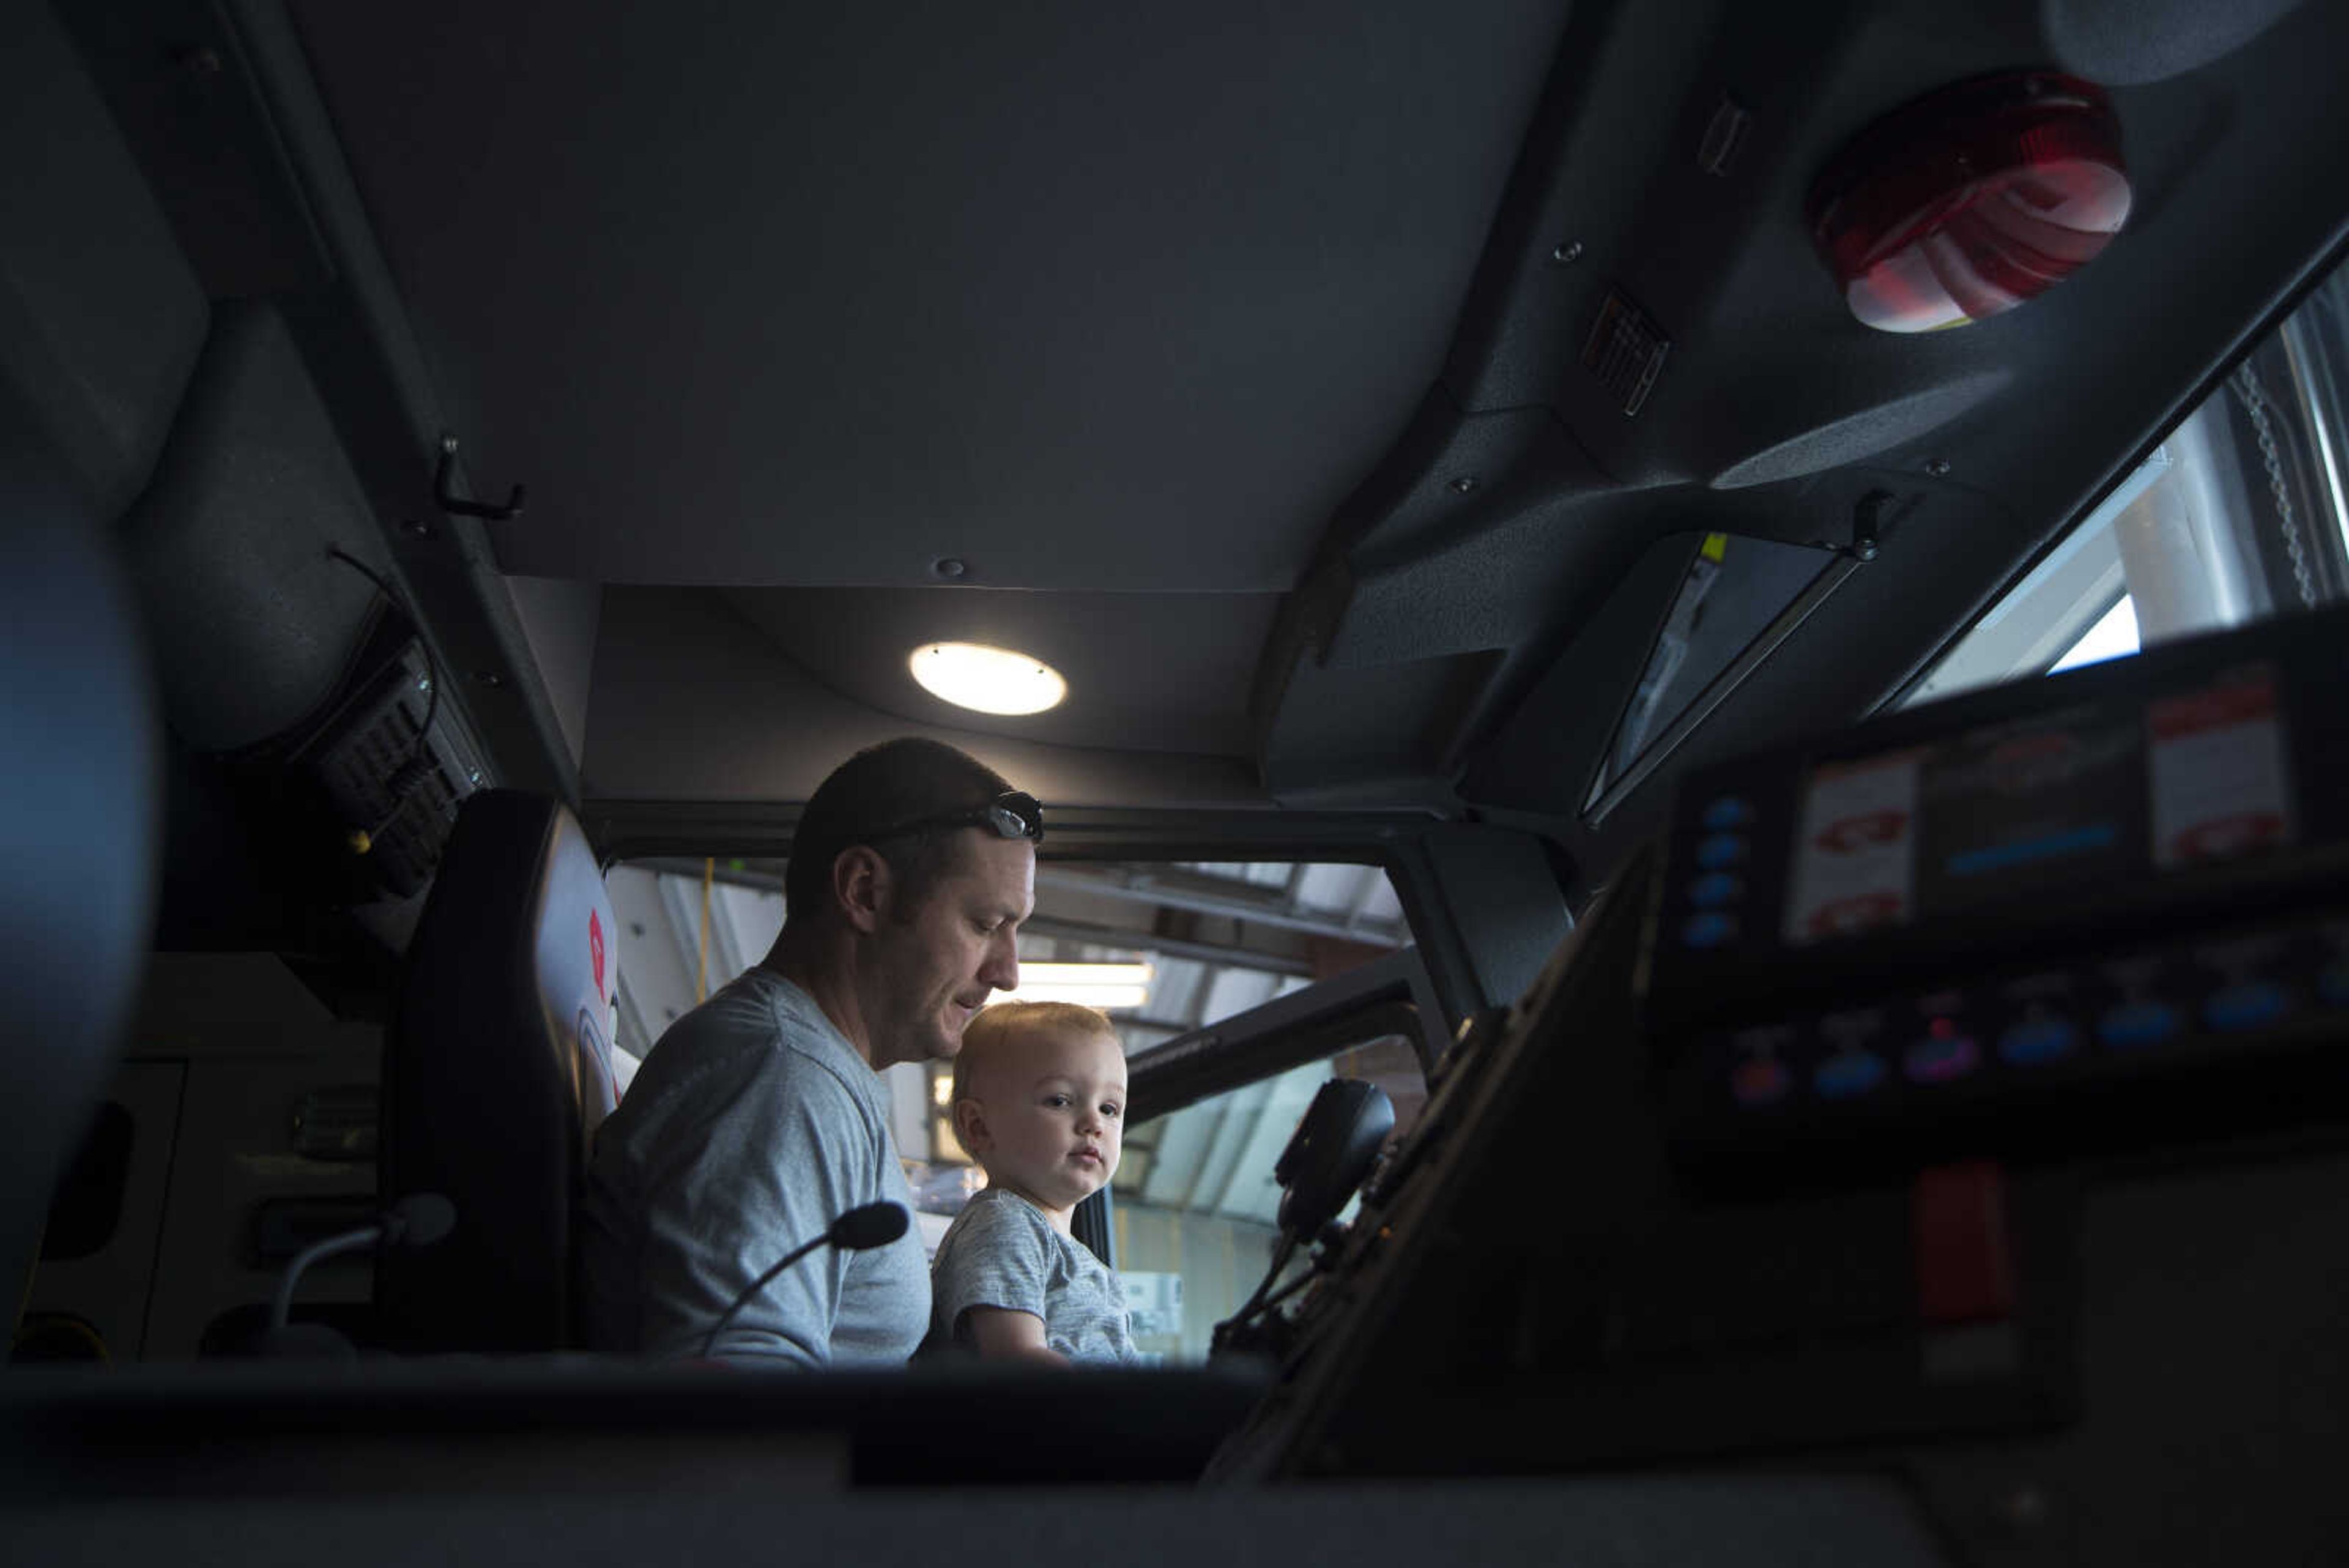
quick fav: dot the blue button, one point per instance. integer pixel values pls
(1851, 1074)
(2138, 1023)
(2038, 1040)
(1759, 1080)
(1726, 813)
(2333, 985)
(2253, 1005)
(1937, 1060)
(1710, 892)
(1709, 929)
(1722, 850)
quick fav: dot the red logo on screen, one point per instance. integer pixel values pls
(595, 948)
(1850, 833)
(2230, 836)
(1861, 912)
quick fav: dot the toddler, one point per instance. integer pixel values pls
(1040, 1102)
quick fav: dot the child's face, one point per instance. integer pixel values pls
(1051, 1117)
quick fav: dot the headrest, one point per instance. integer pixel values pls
(253, 620)
(100, 317)
(80, 838)
(497, 1068)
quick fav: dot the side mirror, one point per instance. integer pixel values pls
(1336, 1144)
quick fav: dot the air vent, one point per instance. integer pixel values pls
(1626, 351)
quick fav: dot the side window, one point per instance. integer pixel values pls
(1165, 950)
(687, 928)
(1195, 1201)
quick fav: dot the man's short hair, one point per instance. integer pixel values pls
(898, 781)
(993, 1026)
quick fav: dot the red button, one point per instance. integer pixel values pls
(1965, 1265)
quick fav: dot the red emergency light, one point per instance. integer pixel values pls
(1971, 199)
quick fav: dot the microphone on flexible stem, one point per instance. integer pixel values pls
(419, 1219)
(872, 1225)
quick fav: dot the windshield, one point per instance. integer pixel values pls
(2238, 514)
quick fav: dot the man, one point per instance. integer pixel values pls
(760, 1116)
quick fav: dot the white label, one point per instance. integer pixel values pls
(1855, 860)
(1154, 1302)
(2220, 785)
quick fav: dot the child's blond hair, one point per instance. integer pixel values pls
(997, 1025)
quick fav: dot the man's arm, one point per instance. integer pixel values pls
(1003, 1335)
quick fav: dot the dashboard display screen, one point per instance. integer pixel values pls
(2002, 815)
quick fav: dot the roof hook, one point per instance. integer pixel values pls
(458, 507)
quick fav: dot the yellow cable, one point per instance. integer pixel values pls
(32, 1275)
(73, 1327)
(701, 979)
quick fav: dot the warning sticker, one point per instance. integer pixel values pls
(1854, 858)
(2221, 785)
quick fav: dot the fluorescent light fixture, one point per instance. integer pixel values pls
(987, 680)
(1111, 987)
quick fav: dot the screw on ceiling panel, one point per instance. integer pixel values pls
(1464, 485)
(416, 527)
(1938, 467)
(1568, 253)
(950, 568)
(489, 678)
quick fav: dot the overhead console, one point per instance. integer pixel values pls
(1959, 1098)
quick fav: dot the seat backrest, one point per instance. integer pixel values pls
(497, 1069)
(80, 839)
(100, 319)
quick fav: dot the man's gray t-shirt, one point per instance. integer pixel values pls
(1001, 1252)
(751, 1125)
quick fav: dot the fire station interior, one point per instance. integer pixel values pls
(1805, 785)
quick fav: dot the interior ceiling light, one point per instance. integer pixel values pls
(987, 680)
(1971, 199)
(1112, 987)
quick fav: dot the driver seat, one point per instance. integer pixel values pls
(497, 1071)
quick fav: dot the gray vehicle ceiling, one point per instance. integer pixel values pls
(1236, 355)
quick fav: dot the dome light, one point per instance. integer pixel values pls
(987, 680)
(1971, 199)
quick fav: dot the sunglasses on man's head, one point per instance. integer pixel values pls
(1013, 814)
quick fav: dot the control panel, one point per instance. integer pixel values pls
(2095, 885)
(2024, 1038)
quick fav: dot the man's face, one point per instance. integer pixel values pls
(937, 968)
(1051, 1115)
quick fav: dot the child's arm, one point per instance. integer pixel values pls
(1005, 1334)
(991, 1284)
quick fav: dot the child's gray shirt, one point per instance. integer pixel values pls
(1001, 1252)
